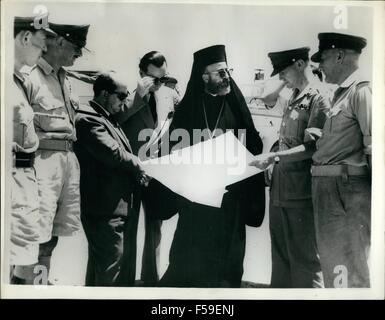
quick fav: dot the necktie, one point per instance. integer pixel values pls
(293, 96)
(295, 93)
(337, 94)
(152, 104)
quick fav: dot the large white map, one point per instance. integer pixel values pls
(201, 172)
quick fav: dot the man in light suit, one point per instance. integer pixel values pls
(109, 176)
(145, 120)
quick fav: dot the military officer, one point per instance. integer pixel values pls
(57, 168)
(341, 170)
(295, 261)
(30, 43)
(342, 165)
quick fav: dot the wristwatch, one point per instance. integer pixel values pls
(276, 157)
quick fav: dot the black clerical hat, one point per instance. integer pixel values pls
(210, 55)
(31, 24)
(77, 34)
(282, 59)
(330, 40)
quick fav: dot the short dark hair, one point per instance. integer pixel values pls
(104, 82)
(17, 30)
(152, 57)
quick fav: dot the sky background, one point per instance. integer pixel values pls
(121, 33)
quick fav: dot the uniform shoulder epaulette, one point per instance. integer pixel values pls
(88, 110)
(33, 68)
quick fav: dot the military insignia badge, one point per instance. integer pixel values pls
(294, 114)
(334, 110)
(305, 103)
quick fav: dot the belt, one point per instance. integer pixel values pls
(339, 170)
(56, 145)
(24, 160)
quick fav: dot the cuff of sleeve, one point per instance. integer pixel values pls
(367, 144)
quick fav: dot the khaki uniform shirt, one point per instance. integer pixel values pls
(347, 134)
(53, 102)
(24, 135)
(291, 181)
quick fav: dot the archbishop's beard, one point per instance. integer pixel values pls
(219, 88)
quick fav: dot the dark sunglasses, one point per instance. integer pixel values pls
(223, 73)
(121, 96)
(164, 79)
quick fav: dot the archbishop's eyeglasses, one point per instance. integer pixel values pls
(223, 73)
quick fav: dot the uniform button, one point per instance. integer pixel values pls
(283, 124)
(290, 108)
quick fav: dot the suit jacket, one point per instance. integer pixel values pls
(136, 116)
(107, 166)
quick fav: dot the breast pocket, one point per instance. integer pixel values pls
(341, 120)
(46, 100)
(296, 123)
(51, 116)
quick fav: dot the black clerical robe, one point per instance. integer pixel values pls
(209, 243)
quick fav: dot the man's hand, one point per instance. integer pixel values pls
(312, 134)
(144, 179)
(144, 85)
(263, 161)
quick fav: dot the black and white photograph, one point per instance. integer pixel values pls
(180, 150)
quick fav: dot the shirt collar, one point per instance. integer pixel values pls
(308, 89)
(19, 75)
(355, 76)
(45, 66)
(304, 91)
(100, 106)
